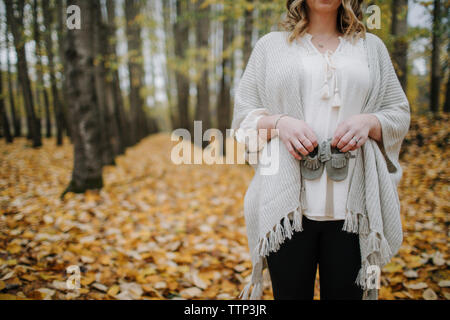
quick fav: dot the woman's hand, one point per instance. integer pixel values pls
(359, 127)
(297, 136)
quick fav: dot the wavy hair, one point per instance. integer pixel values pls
(349, 19)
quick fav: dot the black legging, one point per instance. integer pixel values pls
(293, 267)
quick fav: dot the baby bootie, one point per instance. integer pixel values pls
(337, 163)
(310, 166)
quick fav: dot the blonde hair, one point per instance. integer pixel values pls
(348, 19)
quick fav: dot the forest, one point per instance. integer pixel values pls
(85, 121)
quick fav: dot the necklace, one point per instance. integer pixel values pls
(321, 44)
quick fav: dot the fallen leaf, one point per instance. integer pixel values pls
(444, 283)
(7, 276)
(113, 290)
(46, 293)
(191, 292)
(100, 287)
(411, 274)
(417, 286)
(429, 294)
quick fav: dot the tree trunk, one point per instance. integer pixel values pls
(151, 12)
(16, 25)
(37, 85)
(12, 104)
(224, 101)
(41, 91)
(248, 32)
(135, 69)
(60, 9)
(168, 76)
(20, 110)
(181, 34)
(87, 169)
(57, 107)
(104, 93)
(447, 95)
(3, 115)
(202, 112)
(399, 29)
(435, 65)
(264, 18)
(119, 111)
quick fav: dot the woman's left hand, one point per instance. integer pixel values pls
(353, 132)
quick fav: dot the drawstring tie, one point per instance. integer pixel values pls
(330, 70)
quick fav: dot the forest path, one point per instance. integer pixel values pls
(157, 225)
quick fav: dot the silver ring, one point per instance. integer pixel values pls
(354, 138)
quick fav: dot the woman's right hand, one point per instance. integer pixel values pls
(297, 136)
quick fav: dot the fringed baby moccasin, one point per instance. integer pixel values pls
(310, 166)
(337, 166)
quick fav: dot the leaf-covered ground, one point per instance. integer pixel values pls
(161, 231)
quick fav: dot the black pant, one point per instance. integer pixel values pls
(293, 267)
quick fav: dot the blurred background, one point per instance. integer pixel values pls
(86, 178)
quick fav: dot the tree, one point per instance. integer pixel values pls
(87, 169)
(135, 69)
(224, 99)
(61, 31)
(447, 93)
(248, 30)
(399, 30)
(14, 16)
(435, 74)
(202, 112)
(57, 107)
(3, 115)
(107, 125)
(181, 34)
(168, 75)
(119, 111)
(12, 104)
(265, 13)
(41, 91)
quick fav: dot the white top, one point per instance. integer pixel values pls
(336, 85)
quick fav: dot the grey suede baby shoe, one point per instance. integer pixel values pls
(337, 162)
(311, 167)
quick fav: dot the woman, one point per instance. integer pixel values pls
(323, 94)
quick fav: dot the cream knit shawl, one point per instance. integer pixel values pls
(273, 204)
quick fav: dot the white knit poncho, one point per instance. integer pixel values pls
(273, 204)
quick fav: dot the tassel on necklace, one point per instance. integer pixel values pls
(336, 99)
(337, 96)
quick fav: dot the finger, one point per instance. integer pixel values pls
(306, 143)
(310, 135)
(345, 139)
(340, 131)
(361, 142)
(350, 145)
(357, 144)
(354, 147)
(292, 151)
(299, 147)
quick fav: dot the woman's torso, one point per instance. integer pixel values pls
(326, 199)
(303, 72)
